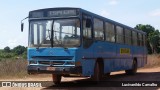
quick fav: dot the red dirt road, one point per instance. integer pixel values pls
(146, 74)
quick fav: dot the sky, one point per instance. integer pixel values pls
(128, 12)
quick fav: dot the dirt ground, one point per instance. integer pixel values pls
(76, 83)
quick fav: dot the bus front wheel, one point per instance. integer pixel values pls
(133, 70)
(56, 79)
(97, 73)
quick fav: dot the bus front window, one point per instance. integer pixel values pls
(66, 33)
(40, 33)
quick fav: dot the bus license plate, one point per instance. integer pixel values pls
(51, 68)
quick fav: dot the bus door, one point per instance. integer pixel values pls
(87, 50)
(99, 44)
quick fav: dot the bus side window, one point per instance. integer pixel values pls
(134, 38)
(110, 32)
(98, 29)
(128, 37)
(119, 34)
(144, 40)
(87, 31)
(86, 27)
(140, 39)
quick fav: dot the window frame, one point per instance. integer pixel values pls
(103, 29)
(120, 34)
(133, 39)
(83, 26)
(128, 36)
(111, 34)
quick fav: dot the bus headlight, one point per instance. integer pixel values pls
(33, 62)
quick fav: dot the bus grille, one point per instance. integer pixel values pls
(52, 57)
(51, 62)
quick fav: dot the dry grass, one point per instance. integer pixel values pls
(16, 69)
(153, 60)
(13, 68)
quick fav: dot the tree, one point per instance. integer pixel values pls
(19, 50)
(153, 37)
(145, 28)
(154, 41)
(7, 49)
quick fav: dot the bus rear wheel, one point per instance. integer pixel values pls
(108, 74)
(133, 70)
(97, 73)
(56, 79)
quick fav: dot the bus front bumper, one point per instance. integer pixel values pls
(34, 69)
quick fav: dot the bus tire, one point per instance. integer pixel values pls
(108, 74)
(133, 70)
(97, 73)
(56, 79)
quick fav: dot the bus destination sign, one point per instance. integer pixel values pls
(37, 14)
(62, 13)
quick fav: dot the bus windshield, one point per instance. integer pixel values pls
(66, 33)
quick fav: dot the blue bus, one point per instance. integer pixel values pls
(72, 41)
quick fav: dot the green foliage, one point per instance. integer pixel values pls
(146, 28)
(19, 50)
(24, 55)
(154, 41)
(153, 38)
(7, 49)
(6, 54)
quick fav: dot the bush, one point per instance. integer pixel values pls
(19, 50)
(7, 49)
(6, 55)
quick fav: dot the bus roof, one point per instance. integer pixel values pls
(56, 8)
(92, 14)
(111, 21)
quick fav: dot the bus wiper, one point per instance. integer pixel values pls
(62, 45)
(44, 40)
(40, 44)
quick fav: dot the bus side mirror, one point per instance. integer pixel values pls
(22, 25)
(88, 23)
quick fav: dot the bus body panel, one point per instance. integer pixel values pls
(123, 57)
(58, 58)
(85, 56)
(115, 56)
